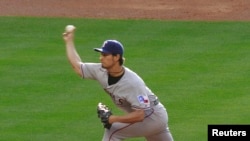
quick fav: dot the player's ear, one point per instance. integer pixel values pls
(116, 56)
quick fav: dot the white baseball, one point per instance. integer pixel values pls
(70, 28)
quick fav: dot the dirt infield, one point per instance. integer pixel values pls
(236, 10)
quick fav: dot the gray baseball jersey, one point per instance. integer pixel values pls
(129, 93)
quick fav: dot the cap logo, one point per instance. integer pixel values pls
(104, 43)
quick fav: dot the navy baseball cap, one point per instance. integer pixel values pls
(111, 47)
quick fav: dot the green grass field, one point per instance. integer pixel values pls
(199, 70)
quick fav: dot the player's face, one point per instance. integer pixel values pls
(107, 60)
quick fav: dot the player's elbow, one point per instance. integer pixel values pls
(140, 115)
(77, 69)
(140, 119)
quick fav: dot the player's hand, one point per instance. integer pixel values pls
(68, 34)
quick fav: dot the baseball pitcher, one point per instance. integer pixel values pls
(144, 115)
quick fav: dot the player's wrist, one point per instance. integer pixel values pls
(112, 119)
(69, 43)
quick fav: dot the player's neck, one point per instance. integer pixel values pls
(116, 71)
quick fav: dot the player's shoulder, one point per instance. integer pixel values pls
(132, 77)
(91, 68)
(130, 73)
(91, 65)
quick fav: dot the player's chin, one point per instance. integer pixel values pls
(103, 66)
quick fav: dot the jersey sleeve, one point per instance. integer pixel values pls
(138, 98)
(90, 70)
